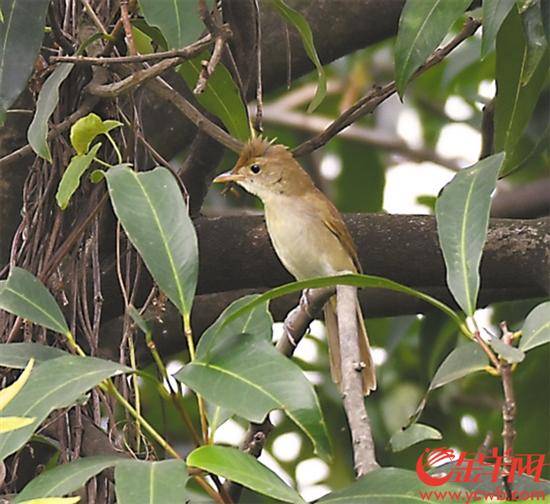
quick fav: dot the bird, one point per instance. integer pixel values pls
(307, 232)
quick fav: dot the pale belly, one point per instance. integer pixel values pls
(302, 243)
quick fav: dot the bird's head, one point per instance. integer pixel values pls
(266, 169)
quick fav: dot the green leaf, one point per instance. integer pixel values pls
(462, 214)
(8, 393)
(21, 35)
(47, 101)
(250, 378)
(414, 434)
(151, 209)
(178, 20)
(462, 361)
(17, 355)
(422, 26)
(514, 102)
(494, 13)
(256, 322)
(11, 423)
(507, 352)
(71, 177)
(244, 469)
(55, 384)
(22, 294)
(87, 128)
(387, 485)
(221, 96)
(66, 478)
(140, 482)
(536, 329)
(533, 30)
(302, 26)
(356, 280)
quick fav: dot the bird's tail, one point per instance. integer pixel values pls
(365, 356)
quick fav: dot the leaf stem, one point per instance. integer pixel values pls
(115, 147)
(191, 346)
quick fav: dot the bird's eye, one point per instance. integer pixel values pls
(255, 168)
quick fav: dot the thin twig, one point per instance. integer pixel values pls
(125, 16)
(94, 17)
(259, 91)
(209, 66)
(369, 102)
(487, 130)
(352, 382)
(509, 406)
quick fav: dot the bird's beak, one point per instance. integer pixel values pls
(227, 177)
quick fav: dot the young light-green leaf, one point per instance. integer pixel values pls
(56, 383)
(141, 482)
(536, 328)
(509, 353)
(47, 101)
(22, 294)
(244, 469)
(422, 26)
(494, 13)
(66, 478)
(302, 26)
(221, 96)
(21, 35)
(178, 20)
(151, 209)
(71, 176)
(87, 128)
(462, 214)
(462, 361)
(514, 102)
(416, 433)
(250, 378)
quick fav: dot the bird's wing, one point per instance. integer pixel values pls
(332, 219)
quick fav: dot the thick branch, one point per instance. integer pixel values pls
(236, 253)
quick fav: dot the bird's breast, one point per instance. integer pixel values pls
(303, 243)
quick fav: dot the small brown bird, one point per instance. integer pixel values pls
(306, 230)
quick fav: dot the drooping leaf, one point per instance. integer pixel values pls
(178, 20)
(507, 352)
(140, 482)
(221, 96)
(494, 13)
(87, 128)
(462, 214)
(21, 35)
(250, 378)
(8, 393)
(66, 478)
(536, 328)
(370, 281)
(462, 361)
(302, 26)
(244, 469)
(413, 434)
(54, 384)
(25, 296)
(535, 38)
(17, 355)
(47, 101)
(12, 423)
(151, 209)
(422, 26)
(389, 484)
(514, 102)
(71, 177)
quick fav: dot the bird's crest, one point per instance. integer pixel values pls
(256, 147)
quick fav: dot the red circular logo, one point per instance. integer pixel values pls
(429, 458)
